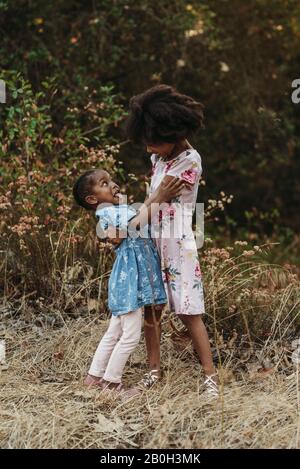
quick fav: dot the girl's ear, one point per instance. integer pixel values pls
(91, 199)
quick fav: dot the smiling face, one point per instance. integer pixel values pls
(103, 189)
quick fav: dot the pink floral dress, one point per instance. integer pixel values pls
(172, 233)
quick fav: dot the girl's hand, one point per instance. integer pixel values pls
(114, 235)
(169, 188)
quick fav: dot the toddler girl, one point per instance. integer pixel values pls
(135, 280)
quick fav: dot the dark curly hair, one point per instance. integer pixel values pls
(162, 114)
(82, 188)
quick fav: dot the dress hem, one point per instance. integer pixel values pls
(187, 314)
(140, 305)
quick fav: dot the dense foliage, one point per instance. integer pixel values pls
(70, 69)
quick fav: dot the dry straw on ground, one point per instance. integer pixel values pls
(44, 405)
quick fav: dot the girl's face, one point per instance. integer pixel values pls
(104, 189)
(162, 149)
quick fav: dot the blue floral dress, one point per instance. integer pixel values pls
(136, 278)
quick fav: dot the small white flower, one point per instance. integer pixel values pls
(224, 67)
(123, 275)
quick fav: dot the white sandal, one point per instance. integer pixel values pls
(150, 378)
(211, 386)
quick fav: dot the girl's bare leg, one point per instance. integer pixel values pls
(199, 336)
(152, 331)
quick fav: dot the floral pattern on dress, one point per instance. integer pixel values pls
(180, 265)
(136, 277)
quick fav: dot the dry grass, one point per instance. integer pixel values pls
(44, 405)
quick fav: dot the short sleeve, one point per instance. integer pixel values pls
(103, 218)
(115, 215)
(123, 216)
(187, 167)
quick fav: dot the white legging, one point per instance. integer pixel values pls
(119, 341)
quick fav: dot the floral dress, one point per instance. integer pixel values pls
(171, 230)
(136, 278)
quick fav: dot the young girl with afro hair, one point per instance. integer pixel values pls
(163, 119)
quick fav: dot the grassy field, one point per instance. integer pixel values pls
(44, 403)
(252, 315)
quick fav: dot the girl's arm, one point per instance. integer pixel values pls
(169, 188)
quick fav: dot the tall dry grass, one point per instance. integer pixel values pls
(44, 404)
(252, 313)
